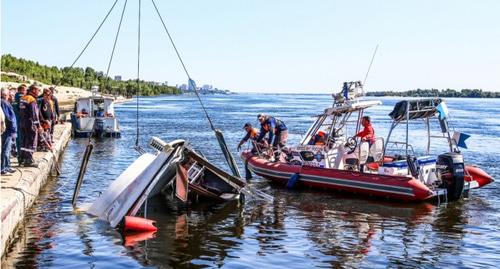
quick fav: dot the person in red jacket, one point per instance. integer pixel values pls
(367, 134)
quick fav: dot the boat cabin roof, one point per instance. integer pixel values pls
(415, 109)
(350, 107)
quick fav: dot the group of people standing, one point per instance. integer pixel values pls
(28, 119)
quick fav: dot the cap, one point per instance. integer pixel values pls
(248, 124)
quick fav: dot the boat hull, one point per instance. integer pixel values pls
(393, 187)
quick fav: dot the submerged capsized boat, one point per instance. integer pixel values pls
(347, 165)
(175, 169)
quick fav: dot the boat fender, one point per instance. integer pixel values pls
(292, 181)
(131, 223)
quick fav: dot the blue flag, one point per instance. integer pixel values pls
(460, 139)
(443, 110)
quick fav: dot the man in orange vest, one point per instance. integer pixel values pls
(368, 133)
(319, 139)
(30, 125)
(251, 133)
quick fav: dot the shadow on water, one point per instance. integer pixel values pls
(297, 229)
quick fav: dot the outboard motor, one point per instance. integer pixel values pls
(99, 127)
(451, 166)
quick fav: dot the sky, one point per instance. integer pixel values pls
(295, 46)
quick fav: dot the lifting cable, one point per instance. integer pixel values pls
(191, 82)
(218, 134)
(138, 91)
(88, 43)
(90, 146)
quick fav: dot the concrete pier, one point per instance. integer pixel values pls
(20, 189)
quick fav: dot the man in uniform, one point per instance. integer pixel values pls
(278, 133)
(30, 126)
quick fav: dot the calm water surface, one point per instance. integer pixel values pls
(299, 229)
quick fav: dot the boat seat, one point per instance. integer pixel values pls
(377, 150)
(364, 152)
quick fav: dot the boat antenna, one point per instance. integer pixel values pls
(370, 66)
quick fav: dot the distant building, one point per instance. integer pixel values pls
(183, 87)
(206, 87)
(118, 78)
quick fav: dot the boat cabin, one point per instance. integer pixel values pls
(95, 115)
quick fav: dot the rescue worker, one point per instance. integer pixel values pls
(368, 133)
(252, 134)
(30, 126)
(319, 139)
(278, 133)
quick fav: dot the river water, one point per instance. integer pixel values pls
(298, 229)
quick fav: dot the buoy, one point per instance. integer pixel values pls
(292, 180)
(131, 223)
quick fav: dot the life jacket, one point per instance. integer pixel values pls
(253, 133)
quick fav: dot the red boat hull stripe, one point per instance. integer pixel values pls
(336, 181)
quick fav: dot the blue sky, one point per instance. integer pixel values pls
(271, 46)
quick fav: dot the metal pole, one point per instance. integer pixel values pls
(428, 135)
(407, 124)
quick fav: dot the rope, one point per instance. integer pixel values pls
(138, 74)
(370, 66)
(191, 82)
(116, 39)
(88, 43)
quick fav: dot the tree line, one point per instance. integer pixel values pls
(473, 93)
(79, 77)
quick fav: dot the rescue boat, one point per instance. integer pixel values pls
(380, 168)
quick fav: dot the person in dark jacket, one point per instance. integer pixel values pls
(47, 117)
(9, 134)
(57, 115)
(21, 91)
(30, 125)
(277, 133)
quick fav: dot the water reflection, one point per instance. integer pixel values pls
(298, 229)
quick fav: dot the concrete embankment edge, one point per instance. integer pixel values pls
(23, 187)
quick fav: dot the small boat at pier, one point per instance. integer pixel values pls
(95, 116)
(384, 168)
